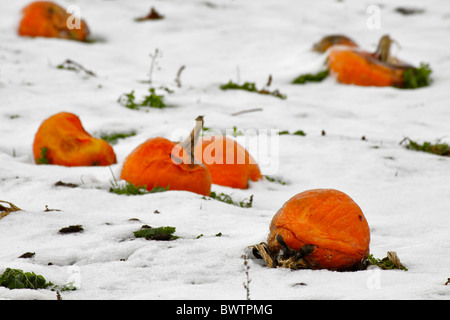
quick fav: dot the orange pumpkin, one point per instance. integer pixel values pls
(327, 222)
(228, 162)
(327, 42)
(354, 66)
(159, 162)
(62, 140)
(47, 19)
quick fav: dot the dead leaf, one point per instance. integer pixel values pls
(4, 211)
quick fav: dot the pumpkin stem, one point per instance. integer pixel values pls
(383, 52)
(189, 143)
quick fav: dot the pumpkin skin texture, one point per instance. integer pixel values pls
(228, 162)
(68, 143)
(159, 162)
(327, 219)
(47, 19)
(353, 66)
(327, 42)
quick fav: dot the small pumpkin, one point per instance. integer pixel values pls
(327, 42)
(228, 162)
(48, 19)
(159, 162)
(352, 65)
(319, 229)
(62, 140)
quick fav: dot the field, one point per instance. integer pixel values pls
(352, 143)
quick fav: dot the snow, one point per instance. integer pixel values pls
(404, 194)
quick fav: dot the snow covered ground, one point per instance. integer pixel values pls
(404, 194)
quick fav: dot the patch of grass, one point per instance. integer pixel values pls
(247, 86)
(296, 133)
(299, 133)
(318, 77)
(441, 149)
(251, 87)
(417, 77)
(127, 100)
(43, 159)
(129, 189)
(237, 132)
(17, 279)
(112, 138)
(74, 66)
(246, 203)
(152, 100)
(161, 233)
(216, 235)
(275, 180)
(386, 263)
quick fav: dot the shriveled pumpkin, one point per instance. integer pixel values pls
(159, 162)
(62, 140)
(327, 42)
(228, 162)
(355, 66)
(48, 19)
(318, 229)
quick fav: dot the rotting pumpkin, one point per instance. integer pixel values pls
(159, 162)
(352, 65)
(48, 19)
(317, 229)
(228, 162)
(62, 140)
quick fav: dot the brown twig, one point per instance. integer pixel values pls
(75, 66)
(269, 81)
(247, 283)
(246, 111)
(177, 79)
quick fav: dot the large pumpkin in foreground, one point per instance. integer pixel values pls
(47, 19)
(326, 221)
(228, 162)
(62, 140)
